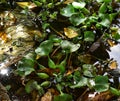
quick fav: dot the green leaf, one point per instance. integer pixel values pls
(38, 3)
(85, 11)
(115, 91)
(26, 65)
(104, 1)
(43, 75)
(63, 97)
(62, 65)
(45, 25)
(101, 83)
(112, 16)
(103, 8)
(89, 70)
(83, 82)
(51, 63)
(67, 11)
(77, 76)
(45, 48)
(116, 36)
(105, 22)
(30, 86)
(78, 5)
(45, 84)
(69, 46)
(89, 36)
(77, 19)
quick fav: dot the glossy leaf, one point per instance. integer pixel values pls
(89, 70)
(101, 83)
(78, 5)
(67, 11)
(38, 3)
(115, 91)
(77, 19)
(104, 1)
(43, 75)
(45, 48)
(69, 46)
(83, 82)
(62, 65)
(103, 8)
(112, 16)
(45, 84)
(51, 63)
(89, 36)
(23, 4)
(26, 65)
(105, 22)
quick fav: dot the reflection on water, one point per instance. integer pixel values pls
(4, 71)
(115, 53)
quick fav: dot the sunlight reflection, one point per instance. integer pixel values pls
(4, 71)
(115, 53)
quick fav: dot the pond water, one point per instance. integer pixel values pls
(8, 78)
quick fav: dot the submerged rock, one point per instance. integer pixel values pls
(16, 37)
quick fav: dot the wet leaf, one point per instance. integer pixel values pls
(51, 63)
(62, 65)
(43, 75)
(112, 16)
(77, 19)
(89, 36)
(43, 49)
(78, 5)
(104, 0)
(89, 70)
(26, 65)
(105, 22)
(67, 11)
(63, 97)
(101, 83)
(83, 82)
(70, 33)
(69, 46)
(115, 91)
(23, 4)
(103, 8)
(38, 3)
(45, 84)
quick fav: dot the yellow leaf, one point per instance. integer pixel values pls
(23, 4)
(70, 33)
(113, 65)
(37, 57)
(111, 43)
